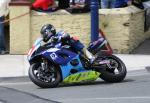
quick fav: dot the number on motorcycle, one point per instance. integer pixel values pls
(53, 56)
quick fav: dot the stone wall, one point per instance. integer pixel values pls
(124, 28)
(19, 27)
(76, 25)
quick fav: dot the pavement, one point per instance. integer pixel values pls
(17, 65)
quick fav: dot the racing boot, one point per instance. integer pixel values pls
(89, 55)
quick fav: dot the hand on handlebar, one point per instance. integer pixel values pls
(54, 39)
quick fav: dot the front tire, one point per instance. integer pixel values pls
(44, 78)
(115, 71)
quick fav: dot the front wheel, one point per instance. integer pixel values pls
(114, 71)
(44, 76)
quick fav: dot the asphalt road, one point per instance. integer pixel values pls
(135, 89)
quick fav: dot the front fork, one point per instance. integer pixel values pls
(44, 64)
(47, 69)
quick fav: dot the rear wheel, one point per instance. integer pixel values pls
(114, 71)
(44, 76)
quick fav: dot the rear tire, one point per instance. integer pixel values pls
(109, 75)
(36, 77)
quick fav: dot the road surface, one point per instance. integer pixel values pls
(135, 89)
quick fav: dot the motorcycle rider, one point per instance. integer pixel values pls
(48, 33)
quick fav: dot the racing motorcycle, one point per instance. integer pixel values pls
(54, 63)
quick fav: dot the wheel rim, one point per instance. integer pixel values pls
(48, 75)
(114, 66)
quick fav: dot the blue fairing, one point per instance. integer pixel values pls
(60, 57)
(68, 67)
(63, 58)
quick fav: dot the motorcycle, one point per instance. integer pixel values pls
(54, 63)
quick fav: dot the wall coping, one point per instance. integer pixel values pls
(116, 11)
(20, 3)
(121, 11)
(58, 12)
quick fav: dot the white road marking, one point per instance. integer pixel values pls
(135, 75)
(111, 98)
(17, 83)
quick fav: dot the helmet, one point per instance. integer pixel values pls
(47, 31)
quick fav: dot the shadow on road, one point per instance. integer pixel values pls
(91, 83)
